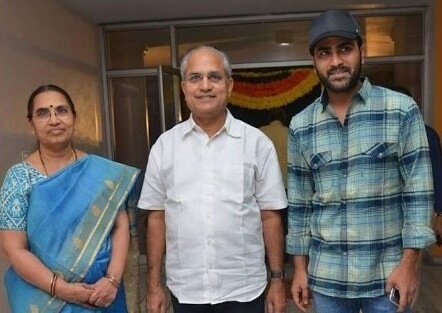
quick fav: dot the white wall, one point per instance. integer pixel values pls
(42, 42)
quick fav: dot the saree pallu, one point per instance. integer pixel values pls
(69, 220)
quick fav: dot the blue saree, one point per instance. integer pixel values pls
(69, 220)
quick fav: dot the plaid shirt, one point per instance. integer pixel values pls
(359, 193)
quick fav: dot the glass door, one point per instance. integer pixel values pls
(142, 108)
(169, 110)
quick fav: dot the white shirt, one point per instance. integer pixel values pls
(212, 191)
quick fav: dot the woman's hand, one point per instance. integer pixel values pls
(78, 293)
(104, 293)
(106, 288)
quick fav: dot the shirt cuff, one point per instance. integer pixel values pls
(298, 245)
(417, 237)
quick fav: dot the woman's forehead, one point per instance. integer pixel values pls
(49, 98)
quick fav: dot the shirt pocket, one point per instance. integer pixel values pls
(381, 167)
(319, 163)
(380, 151)
(249, 180)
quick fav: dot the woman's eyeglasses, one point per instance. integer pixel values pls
(44, 114)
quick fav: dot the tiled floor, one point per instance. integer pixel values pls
(429, 299)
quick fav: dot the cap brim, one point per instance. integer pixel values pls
(337, 33)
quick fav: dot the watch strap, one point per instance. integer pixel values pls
(277, 274)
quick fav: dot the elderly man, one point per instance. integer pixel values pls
(214, 190)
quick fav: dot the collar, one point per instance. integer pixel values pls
(362, 94)
(231, 126)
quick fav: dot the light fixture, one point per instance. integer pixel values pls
(284, 37)
(146, 48)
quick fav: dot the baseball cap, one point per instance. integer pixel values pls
(333, 23)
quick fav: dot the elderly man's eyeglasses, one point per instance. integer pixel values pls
(44, 114)
(213, 77)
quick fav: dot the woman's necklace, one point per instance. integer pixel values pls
(43, 162)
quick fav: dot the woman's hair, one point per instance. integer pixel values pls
(225, 59)
(45, 88)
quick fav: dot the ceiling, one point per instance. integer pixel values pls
(122, 11)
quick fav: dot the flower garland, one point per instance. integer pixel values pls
(263, 89)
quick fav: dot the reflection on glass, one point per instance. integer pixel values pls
(252, 42)
(138, 48)
(129, 99)
(169, 100)
(385, 35)
(136, 115)
(393, 35)
(405, 74)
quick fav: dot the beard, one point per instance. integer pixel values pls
(344, 85)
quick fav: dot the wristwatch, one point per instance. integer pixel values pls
(277, 274)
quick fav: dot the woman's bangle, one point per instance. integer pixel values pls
(53, 283)
(75, 293)
(113, 280)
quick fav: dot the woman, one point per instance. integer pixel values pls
(62, 226)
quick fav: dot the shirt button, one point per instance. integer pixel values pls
(380, 155)
(344, 253)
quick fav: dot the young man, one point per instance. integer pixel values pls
(359, 184)
(214, 189)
